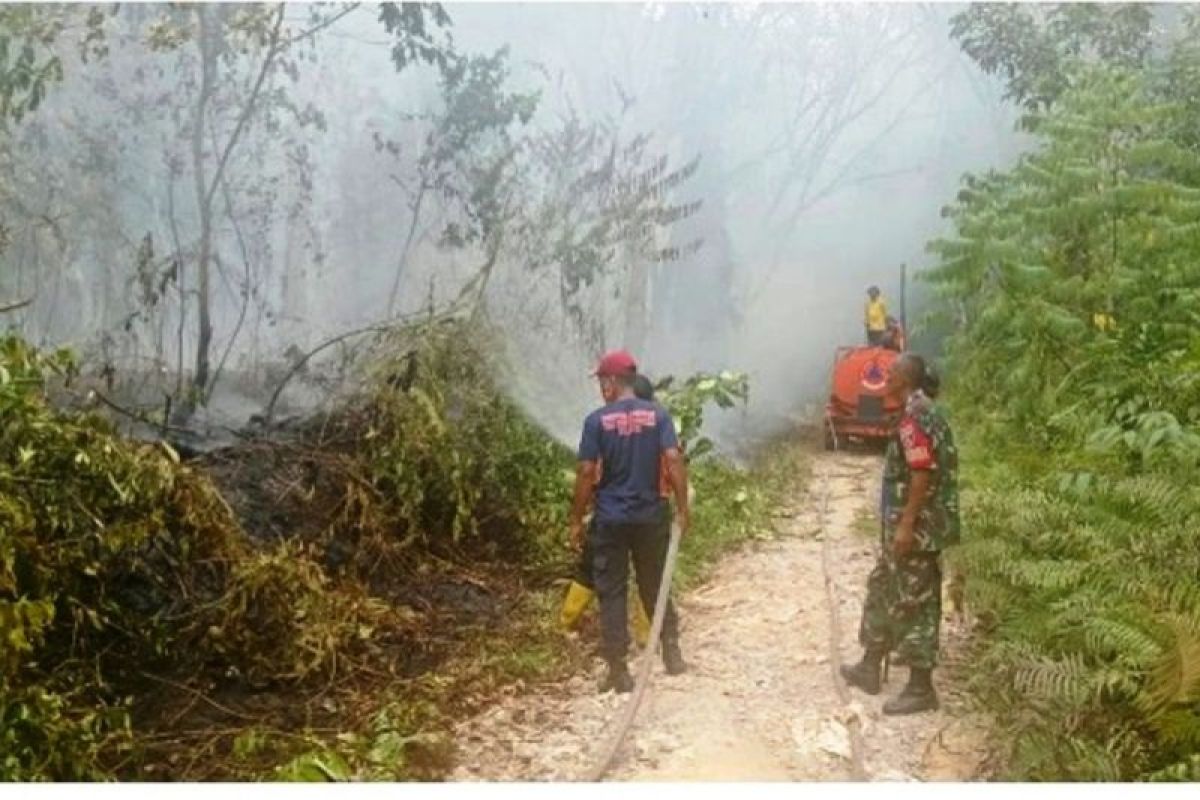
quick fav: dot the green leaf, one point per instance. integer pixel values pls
(318, 767)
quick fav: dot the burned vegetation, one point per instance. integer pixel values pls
(210, 618)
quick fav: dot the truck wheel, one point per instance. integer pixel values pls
(830, 443)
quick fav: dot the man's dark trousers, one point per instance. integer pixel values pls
(612, 546)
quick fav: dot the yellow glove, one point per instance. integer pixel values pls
(574, 604)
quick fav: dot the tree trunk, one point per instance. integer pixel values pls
(402, 262)
(208, 66)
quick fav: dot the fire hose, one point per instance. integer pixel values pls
(853, 725)
(609, 751)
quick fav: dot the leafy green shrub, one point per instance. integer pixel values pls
(1090, 603)
(83, 536)
(459, 461)
(687, 402)
(116, 562)
(281, 618)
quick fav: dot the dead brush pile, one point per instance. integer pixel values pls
(289, 596)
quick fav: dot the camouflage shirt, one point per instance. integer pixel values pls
(922, 441)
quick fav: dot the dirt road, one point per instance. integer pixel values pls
(759, 702)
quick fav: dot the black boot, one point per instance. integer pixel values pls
(673, 658)
(917, 696)
(865, 674)
(617, 678)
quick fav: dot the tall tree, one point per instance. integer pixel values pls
(462, 170)
(244, 58)
(1031, 46)
(31, 63)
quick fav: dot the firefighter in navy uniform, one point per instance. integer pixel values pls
(582, 588)
(632, 438)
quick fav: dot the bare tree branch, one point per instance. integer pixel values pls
(4, 309)
(237, 329)
(378, 327)
(322, 25)
(273, 50)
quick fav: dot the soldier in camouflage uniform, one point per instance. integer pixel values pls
(903, 608)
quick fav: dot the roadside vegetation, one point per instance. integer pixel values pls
(1072, 285)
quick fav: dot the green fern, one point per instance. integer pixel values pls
(1185, 770)
(1067, 680)
(1175, 677)
(1046, 573)
(1095, 761)
(1180, 728)
(1126, 641)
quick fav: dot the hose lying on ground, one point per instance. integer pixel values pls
(858, 771)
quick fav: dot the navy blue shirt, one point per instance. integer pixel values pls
(629, 438)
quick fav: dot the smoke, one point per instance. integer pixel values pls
(828, 138)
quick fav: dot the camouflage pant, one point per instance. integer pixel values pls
(903, 609)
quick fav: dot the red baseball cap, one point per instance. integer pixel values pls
(615, 362)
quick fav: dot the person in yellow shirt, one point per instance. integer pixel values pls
(875, 317)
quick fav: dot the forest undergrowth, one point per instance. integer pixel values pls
(320, 601)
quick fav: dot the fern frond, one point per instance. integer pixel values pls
(1175, 677)
(1180, 727)
(1153, 500)
(1066, 680)
(1093, 761)
(1129, 642)
(1183, 771)
(1045, 573)
(985, 595)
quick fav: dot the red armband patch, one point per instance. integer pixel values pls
(918, 447)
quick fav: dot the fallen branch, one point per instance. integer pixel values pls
(199, 695)
(4, 309)
(378, 327)
(137, 415)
